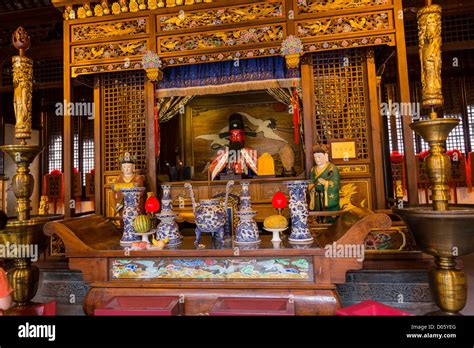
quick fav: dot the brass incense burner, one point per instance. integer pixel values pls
(25, 231)
(443, 231)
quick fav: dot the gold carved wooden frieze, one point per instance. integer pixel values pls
(220, 39)
(109, 30)
(388, 39)
(111, 50)
(318, 6)
(345, 24)
(220, 56)
(354, 169)
(108, 7)
(106, 67)
(220, 16)
(208, 31)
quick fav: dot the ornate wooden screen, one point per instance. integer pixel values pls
(340, 98)
(123, 125)
(341, 95)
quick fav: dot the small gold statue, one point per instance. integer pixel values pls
(152, 4)
(134, 6)
(123, 5)
(44, 206)
(127, 179)
(23, 85)
(142, 5)
(429, 35)
(105, 7)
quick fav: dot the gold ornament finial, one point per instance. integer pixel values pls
(21, 40)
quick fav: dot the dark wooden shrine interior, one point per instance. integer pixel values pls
(338, 102)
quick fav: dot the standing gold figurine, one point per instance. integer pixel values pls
(23, 84)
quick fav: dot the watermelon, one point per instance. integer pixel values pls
(142, 224)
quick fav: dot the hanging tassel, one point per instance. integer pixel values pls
(296, 114)
(156, 127)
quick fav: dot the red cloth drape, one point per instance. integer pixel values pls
(295, 102)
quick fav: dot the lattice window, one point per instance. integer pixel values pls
(124, 118)
(44, 70)
(55, 142)
(453, 107)
(87, 148)
(76, 150)
(469, 85)
(340, 98)
(456, 28)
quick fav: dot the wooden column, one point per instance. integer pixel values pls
(150, 122)
(68, 146)
(97, 147)
(376, 131)
(309, 113)
(404, 91)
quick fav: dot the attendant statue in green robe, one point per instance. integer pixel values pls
(325, 182)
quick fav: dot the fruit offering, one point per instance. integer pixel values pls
(275, 221)
(142, 224)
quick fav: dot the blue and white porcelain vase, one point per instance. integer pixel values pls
(166, 201)
(299, 212)
(132, 198)
(247, 229)
(168, 228)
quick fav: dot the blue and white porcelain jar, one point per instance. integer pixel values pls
(168, 228)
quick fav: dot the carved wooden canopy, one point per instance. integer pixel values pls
(111, 36)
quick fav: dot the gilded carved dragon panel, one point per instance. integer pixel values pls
(100, 30)
(221, 16)
(109, 50)
(344, 25)
(220, 39)
(317, 6)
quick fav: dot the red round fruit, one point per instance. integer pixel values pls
(279, 200)
(152, 205)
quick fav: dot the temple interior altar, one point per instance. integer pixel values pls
(314, 152)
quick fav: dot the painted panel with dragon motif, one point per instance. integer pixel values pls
(214, 17)
(318, 6)
(221, 39)
(345, 25)
(260, 268)
(109, 30)
(109, 50)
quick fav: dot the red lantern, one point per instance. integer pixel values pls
(279, 200)
(152, 205)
